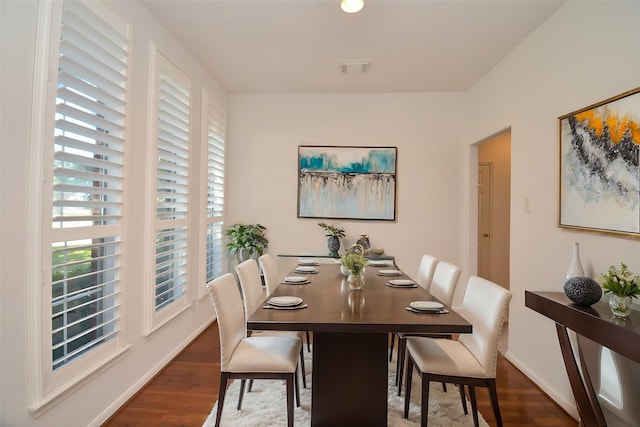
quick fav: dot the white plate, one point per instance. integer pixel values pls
(390, 272)
(426, 305)
(302, 268)
(402, 282)
(307, 261)
(294, 279)
(285, 301)
(379, 262)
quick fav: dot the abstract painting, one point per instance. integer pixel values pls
(347, 182)
(599, 172)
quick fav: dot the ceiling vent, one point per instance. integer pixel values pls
(354, 67)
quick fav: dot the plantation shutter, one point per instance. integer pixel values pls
(87, 180)
(215, 191)
(172, 184)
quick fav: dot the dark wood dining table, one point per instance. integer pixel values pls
(350, 339)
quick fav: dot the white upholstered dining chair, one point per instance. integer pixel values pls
(248, 357)
(270, 273)
(443, 287)
(470, 360)
(426, 270)
(253, 295)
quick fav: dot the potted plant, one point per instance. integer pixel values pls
(334, 234)
(247, 241)
(354, 261)
(622, 286)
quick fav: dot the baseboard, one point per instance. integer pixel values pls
(568, 406)
(151, 374)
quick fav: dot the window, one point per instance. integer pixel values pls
(215, 192)
(88, 147)
(172, 183)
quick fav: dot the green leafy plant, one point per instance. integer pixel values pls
(621, 282)
(247, 236)
(332, 230)
(353, 262)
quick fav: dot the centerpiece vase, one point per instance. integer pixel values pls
(356, 280)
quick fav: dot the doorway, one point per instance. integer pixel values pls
(494, 204)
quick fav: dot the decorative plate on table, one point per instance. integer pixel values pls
(426, 305)
(307, 261)
(306, 269)
(285, 301)
(379, 262)
(390, 272)
(295, 279)
(402, 282)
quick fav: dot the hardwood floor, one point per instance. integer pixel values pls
(183, 394)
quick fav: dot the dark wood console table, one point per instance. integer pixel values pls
(595, 323)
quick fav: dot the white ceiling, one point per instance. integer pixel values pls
(295, 46)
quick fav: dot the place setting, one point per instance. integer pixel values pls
(307, 262)
(380, 263)
(285, 303)
(295, 280)
(389, 273)
(401, 283)
(426, 307)
(305, 269)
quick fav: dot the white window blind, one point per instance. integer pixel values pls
(87, 180)
(172, 183)
(215, 191)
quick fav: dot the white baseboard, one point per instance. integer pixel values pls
(568, 405)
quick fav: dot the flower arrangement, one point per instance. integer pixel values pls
(353, 262)
(621, 282)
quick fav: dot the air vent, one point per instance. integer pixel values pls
(354, 67)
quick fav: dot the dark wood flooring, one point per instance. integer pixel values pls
(183, 394)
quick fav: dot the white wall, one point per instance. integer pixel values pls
(92, 401)
(585, 53)
(265, 131)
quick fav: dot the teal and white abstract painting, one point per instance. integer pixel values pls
(347, 182)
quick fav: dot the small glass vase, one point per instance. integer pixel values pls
(620, 306)
(356, 280)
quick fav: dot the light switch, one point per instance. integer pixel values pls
(528, 206)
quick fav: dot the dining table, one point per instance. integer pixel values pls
(350, 329)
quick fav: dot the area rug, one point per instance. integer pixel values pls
(266, 405)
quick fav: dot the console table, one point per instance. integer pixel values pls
(595, 323)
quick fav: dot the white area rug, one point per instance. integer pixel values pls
(266, 405)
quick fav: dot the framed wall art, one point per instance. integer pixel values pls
(599, 187)
(347, 182)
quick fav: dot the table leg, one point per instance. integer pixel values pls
(349, 379)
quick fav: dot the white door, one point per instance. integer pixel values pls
(484, 219)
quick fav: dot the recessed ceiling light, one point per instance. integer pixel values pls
(352, 6)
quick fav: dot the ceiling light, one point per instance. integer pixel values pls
(351, 6)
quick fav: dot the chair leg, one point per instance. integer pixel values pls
(303, 371)
(463, 399)
(402, 355)
(250, 386)
(224, 376)
(407, 390)
(297, 385)
(474, 405)
(393, 339)
(308, 341)
(241, 394)
(493, 393)
(424, 406)
(290, 380)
